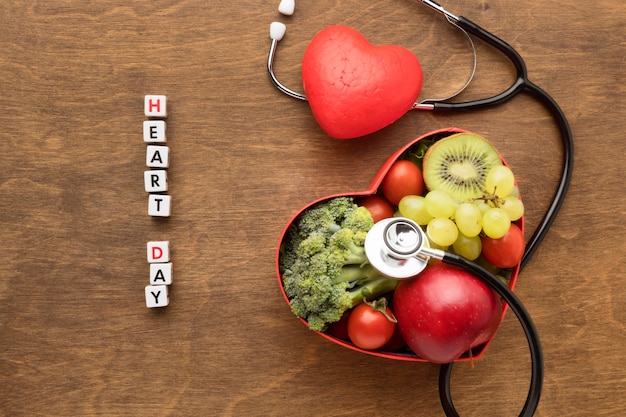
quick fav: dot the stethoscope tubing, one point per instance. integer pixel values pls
(521, 84)
(532, 336)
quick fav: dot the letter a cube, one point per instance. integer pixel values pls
(157, 156)
(161, 273)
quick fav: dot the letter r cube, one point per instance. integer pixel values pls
(155, 180)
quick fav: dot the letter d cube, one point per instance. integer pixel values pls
(158, 252)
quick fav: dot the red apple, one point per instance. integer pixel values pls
(445, 311)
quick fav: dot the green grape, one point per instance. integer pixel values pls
(433, 245)
(500, 181)
(496, 223)
(482, 205)
(440, 204)
(468, 247)
(514, 192)
(468, 219)
(513, 207)
(442, 232)
(414, 207)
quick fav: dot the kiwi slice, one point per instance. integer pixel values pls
(458, 165)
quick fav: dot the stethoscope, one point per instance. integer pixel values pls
(397, 246)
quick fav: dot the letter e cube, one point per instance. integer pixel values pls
(154, 131)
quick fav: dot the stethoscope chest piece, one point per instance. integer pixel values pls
(395, 247)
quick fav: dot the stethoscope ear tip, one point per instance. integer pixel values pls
(287, 7)
(277, 30)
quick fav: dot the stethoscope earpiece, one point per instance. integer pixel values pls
(278, 29)
(287, 7)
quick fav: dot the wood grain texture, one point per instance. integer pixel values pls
(75, 335)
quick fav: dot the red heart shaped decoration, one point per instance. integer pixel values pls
(480, 342)
(355, 88)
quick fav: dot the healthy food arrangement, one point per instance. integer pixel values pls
(458, 189)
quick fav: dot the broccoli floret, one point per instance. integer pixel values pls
(347, 245)
(359, 221)
(323, 264)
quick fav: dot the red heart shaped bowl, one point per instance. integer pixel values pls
(401, 351)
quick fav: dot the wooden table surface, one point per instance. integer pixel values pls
(76, 338)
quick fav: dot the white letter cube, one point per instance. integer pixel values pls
(157, 156)
(159, 205)
(154, 131)
(155, 106)
(161, 274)
(156, 296)
(158, 251)
(155, 181)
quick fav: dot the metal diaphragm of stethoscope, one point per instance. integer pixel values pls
(398, 248)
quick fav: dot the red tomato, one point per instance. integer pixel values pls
(507, 251)
(339, 329)
(403, 178)
(378, 207)
(395, 343)
(369, 327)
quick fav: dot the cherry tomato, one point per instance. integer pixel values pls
(369, 327)
(378, 207)
(403, 178)
(339, 329)
(507, 251)
(395, 343)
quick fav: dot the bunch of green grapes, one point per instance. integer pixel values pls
(460, 224)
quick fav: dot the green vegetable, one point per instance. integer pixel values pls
(323, 264)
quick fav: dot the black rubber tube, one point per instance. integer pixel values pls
(532, 336)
